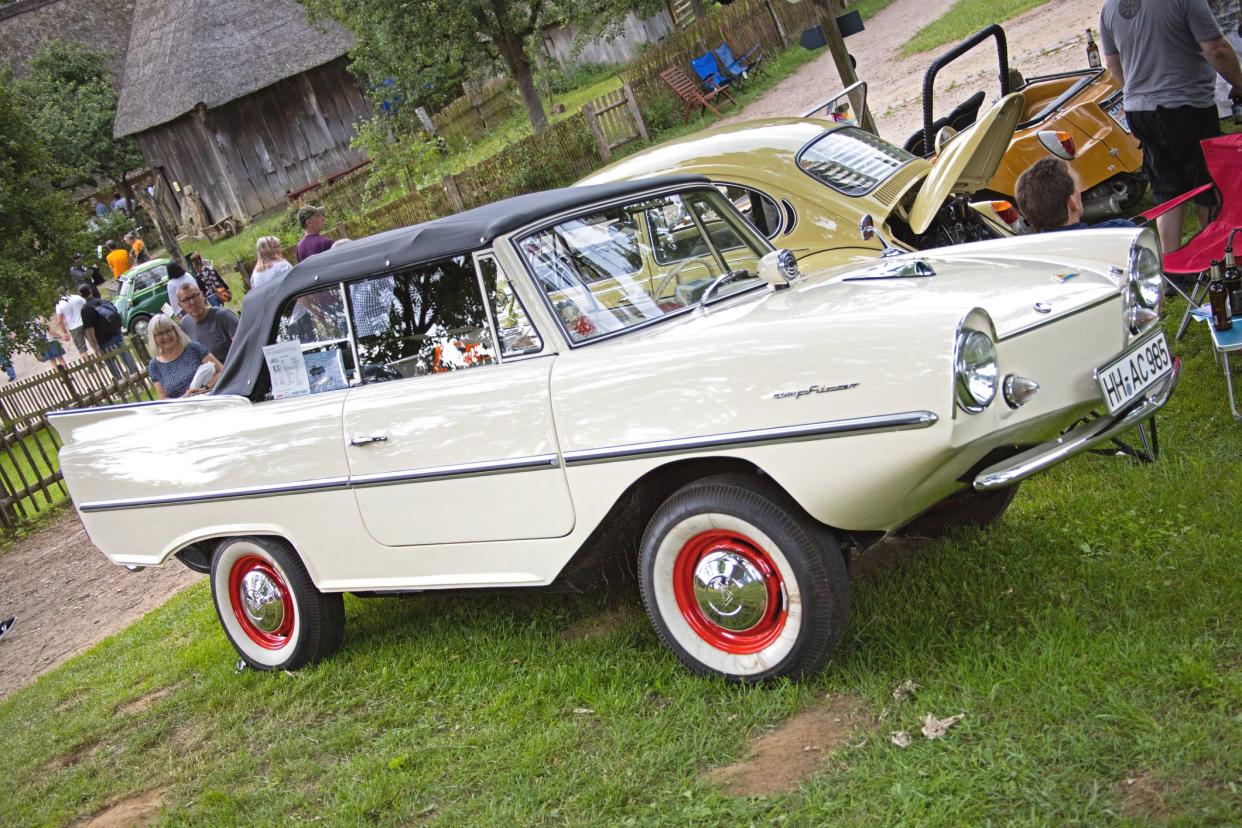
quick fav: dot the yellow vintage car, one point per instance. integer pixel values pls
(1077, 115)
(833, 193)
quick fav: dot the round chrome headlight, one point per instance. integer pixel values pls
(1146, 275)
(976, 371)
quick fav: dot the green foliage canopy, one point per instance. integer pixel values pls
(424, 47)
(72, 104)
(41, 227)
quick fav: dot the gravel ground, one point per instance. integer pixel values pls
(67, 597)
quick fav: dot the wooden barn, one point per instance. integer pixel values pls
(244, 101)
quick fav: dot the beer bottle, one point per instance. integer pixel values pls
(1233, 278)
(1217, 300)
(1093, 51)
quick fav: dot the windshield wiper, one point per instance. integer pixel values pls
(721, 281)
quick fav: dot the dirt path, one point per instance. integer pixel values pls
(67, 597)
(1049, 38)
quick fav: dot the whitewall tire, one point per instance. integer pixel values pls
(739, 582)
(269, 607)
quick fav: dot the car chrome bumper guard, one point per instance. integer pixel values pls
(1076, 440)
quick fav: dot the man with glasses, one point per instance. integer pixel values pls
(214, 328)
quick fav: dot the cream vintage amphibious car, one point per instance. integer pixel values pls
(511, 396)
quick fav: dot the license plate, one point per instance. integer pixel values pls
(1117, 112)
(1126, 378)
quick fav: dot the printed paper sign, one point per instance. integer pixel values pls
(287, 369)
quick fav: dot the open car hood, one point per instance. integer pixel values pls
(969, 160)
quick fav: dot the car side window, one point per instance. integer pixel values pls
(428, 319)
(677, 238)
(760, 209)
(513, 326)
(150, 278)
(318, 322)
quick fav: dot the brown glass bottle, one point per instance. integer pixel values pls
(1232, 279)
(1093, 51)
(1218, 300)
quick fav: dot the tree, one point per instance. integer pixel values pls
(41, 227)
(406, 39)
(72, 103)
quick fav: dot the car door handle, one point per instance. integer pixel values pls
(373, 438)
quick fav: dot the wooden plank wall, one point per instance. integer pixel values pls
(280, 138)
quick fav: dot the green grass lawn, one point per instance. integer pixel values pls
(964, 18)
(867, 8)
(1092, 637)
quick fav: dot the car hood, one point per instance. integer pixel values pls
(1017, 282)
(1005, 278)
(968, 161)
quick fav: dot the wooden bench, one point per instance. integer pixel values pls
(689, 92)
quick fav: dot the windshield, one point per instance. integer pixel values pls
(629, 265)
(852, 161)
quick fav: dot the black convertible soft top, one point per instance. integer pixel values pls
(395, 249)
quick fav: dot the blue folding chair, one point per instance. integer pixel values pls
(742, 66)
(710, 76)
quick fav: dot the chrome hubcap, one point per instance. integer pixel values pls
(262, 601)
(730, 591)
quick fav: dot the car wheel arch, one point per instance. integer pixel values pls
(196, 552)
(610, 551)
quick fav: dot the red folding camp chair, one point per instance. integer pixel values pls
(1224, 162)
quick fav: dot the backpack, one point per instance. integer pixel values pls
(109, 319)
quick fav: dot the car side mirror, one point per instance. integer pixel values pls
(866, 228)
(779, 268)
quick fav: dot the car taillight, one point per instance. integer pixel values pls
(1059, 143)
(1006, 211)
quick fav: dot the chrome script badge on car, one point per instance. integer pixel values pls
(814, 389)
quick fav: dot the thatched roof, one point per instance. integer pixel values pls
(186, 52)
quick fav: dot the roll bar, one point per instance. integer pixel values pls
(929, 79)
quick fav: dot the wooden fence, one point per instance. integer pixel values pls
(772, 25)
(615, 120)
(30, 479)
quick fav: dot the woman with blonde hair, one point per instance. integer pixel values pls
(271, 264)
(176, 359)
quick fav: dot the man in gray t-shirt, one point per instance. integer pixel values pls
(1167, 53)
(213, 328)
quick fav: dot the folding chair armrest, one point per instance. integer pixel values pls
(1161, 209)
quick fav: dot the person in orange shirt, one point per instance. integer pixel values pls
(117, 258)
(137, 248)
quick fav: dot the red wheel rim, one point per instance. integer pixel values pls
(243, 606)
(740, 553)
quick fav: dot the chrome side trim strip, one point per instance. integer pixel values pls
(321, 485)
(548, 461)
(759, 436)
(62, 412)
(1049, 320)
(542, 461)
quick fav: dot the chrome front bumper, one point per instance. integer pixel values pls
(1045, 455)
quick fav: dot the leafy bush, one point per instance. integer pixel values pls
(562, 79)
(401, 152)
(111, 226)
(661, 112)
